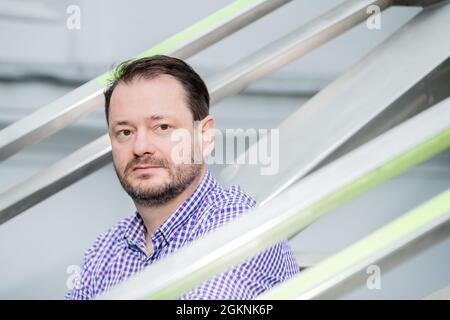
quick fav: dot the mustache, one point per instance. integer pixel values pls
(147, 160)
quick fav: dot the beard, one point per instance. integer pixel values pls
(180, 177)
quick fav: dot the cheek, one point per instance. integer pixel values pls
(177, 152)
(166, 151)
(120, 159)
(163, 146)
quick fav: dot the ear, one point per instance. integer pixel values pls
(207, 127)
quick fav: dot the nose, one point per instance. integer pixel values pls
(143, 145)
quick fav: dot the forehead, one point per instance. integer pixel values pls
(139, 98)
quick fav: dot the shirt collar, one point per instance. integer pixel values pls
(135, 232)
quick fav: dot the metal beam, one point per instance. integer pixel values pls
(423, 95)
(398, 234)
(344, 107)
(441, 294)
(418, 3)
(292, 46)
(391, 154)
(390, 261)
(276, 55)
(54, 178)
(87, 98)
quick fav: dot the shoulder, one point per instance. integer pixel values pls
(233, 195)
(226, 204)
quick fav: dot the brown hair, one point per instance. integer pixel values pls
(154, 66)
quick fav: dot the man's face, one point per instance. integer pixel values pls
(143, 116)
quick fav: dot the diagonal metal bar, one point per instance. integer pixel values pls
(279, 53)
(441, 294)
(391, 154)
(87, 98)
(340, 110)
(292, 46)
(381, 243)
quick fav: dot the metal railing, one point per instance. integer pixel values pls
(350, 103)
(85, 99)
(429, 218)
(389, 155)
(290, 205)
(441, 294)
(98, 153)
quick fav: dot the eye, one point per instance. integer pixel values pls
(164, 127)
(124, 132)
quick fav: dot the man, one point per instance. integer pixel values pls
(149, 101)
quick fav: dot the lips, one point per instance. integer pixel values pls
(145, 167)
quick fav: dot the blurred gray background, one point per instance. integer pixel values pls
(41, 60)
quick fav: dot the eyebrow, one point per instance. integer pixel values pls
(154, 117)
(122, 123)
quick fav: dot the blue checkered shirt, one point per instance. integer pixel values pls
(121, 252)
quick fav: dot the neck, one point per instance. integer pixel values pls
(155, 216)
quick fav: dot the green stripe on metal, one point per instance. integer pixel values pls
(187, 34)
(307, 216)
(395, 167)
(363, 249)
